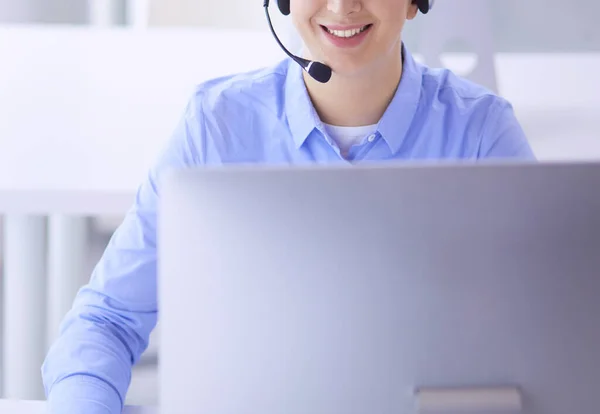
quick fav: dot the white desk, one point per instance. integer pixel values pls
(84, 113)
(39, 407)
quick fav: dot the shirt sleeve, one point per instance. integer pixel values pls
(503, 135)
(88, 369)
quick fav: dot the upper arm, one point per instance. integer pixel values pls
(124, 280)
(109, 325)
(503, 135)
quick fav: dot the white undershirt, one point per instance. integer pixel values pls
(347, 137)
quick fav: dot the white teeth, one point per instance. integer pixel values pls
(346, 33)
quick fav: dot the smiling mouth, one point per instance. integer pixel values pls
(346, 34)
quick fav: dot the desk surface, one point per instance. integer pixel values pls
(39, 407)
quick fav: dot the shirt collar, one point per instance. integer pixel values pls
(301, 115)
(394, 124)
(397, 118)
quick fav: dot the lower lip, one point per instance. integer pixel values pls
(347, 42)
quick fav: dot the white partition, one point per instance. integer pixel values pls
(110, 96)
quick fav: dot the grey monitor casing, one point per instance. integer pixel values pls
(334, 290)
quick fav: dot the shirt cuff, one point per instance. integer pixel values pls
(82, 394)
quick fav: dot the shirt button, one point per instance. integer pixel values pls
(371, 138)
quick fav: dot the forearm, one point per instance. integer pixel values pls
(88, 369)
(84, 394)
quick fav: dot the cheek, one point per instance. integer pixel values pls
(304, 11)
(392, 28)
(300, 26)
(304, 27)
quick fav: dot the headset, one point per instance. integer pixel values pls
(317, 70)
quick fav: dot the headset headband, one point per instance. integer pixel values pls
(423, 5)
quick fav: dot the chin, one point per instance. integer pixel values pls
(345, 64)
(349, 68)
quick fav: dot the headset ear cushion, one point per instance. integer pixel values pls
(423, 5)
(284, 6)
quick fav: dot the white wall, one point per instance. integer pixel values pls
(519, 26)
(536, 26)
(240, 14)
(43, 11)
(62, 11)
(234, 14)
(12, 11)
(530, 26)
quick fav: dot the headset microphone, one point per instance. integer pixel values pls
(317, 70)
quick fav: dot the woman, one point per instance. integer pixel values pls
(379, 104)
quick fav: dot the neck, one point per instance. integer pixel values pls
(359, 99)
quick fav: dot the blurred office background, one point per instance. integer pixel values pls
(106, 80)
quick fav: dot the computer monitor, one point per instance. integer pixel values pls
(388, 289)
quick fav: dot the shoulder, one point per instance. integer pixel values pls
(485, 118)
(242, 89)
(230, 118)
(444, 91)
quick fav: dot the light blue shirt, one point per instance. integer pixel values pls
(264, 116)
